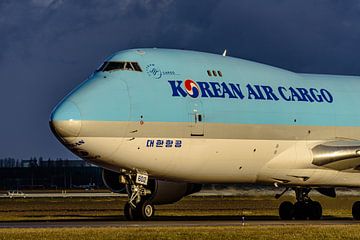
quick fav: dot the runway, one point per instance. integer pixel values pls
(175, 222)
(80, 211)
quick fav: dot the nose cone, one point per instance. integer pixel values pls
(65, 120)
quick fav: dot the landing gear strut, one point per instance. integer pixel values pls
(138, 207)
(303, 209)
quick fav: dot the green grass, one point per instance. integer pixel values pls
(158, 233)
(111, 208)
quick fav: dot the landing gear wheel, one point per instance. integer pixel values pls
(286, 210)
(130, 213)
(147, 210)
(356, 210)
(127, 209)
(300, 210)
(314, 210)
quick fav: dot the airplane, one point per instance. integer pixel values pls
(162, 122)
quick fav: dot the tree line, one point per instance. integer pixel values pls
(35, 162)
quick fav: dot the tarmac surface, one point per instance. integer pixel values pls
(175, 222)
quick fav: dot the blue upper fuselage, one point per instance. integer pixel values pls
(168, 82)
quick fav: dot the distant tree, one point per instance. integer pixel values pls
(33, 162)
(59, 162)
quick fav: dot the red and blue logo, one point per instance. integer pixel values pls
(191, 88)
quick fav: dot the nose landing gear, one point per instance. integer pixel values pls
(138, 207)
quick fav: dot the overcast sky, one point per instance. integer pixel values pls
(50, 46)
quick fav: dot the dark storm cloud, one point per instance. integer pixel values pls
(300, 35)
(49, 46)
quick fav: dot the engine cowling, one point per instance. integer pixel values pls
(111, 181)
(165, 192)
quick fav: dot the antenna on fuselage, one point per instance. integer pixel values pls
(224, 53)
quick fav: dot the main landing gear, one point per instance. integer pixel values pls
(356, 210)
(138, 207)
(303, 209)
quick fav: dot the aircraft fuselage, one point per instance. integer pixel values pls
(205, 118)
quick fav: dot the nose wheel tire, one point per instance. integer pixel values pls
(131, 214)
(147, 210)
(144, 211)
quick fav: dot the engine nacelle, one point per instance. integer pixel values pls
(164, 192)
(111, 181)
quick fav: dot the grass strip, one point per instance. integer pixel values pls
(327, 232)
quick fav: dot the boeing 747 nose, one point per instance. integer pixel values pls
(65, 121)
(91, 121)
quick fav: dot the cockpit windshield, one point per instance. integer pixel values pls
(114, 66)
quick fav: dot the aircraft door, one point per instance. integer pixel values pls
(196, 118)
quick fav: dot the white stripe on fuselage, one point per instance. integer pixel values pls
(215, 160)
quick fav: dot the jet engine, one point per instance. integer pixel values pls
(111, 181)
(165, 192)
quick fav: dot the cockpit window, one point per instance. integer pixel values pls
(113, 66)
(128, 66)
(136, 66)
